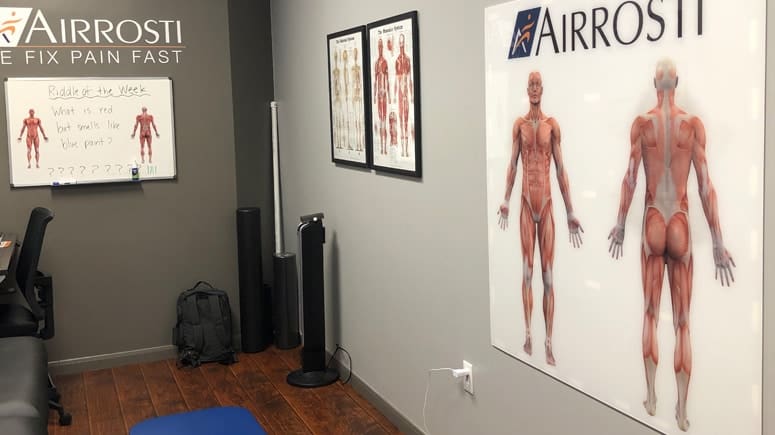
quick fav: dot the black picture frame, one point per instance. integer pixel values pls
(347, 51)
(396, 117)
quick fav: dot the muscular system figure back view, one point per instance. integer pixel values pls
(669, 141)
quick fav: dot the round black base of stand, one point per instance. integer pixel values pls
(300, 378)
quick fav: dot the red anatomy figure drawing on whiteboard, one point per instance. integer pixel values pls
(32, 124)
(145, 122)
(669, 141)
(536, 137)
(404, 90)
(381, 95)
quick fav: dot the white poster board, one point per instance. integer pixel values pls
(597, 65)
(89, 130)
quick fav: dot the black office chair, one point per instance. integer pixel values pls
(24, 317)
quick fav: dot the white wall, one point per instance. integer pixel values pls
(406, 261)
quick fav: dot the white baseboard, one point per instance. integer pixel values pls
(98, 362)
(110, 360)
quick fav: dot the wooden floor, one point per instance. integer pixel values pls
(111, 401)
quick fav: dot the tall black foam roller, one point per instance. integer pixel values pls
(255, 306)
(285, 301)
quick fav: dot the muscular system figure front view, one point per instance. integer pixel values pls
(357, 101)
(381, 95)
(404, 93)
(669, 141)
(536, 138)
(32, 124)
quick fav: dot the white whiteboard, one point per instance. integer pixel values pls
(89, 124)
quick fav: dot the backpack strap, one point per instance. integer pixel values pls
(191, 312)
(215, 310)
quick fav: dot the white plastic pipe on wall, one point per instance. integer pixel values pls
(278, 216)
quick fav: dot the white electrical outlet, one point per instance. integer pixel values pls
(468, 381)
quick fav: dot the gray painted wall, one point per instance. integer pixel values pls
(120, 254)
(252, 89)
(406, 261)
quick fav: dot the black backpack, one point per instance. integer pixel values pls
(204, 328)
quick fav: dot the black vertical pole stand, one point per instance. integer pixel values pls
(313, 372)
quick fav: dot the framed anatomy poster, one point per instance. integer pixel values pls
(625, 203)
(394, 64)
(349, 97)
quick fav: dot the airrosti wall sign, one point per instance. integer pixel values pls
(30, 36)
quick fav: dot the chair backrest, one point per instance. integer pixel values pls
(31, 248)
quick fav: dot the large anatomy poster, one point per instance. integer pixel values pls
(350, 130)
(625, 144)
(395, 106)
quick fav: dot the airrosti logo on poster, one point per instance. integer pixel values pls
(524, 33)
(554, 32)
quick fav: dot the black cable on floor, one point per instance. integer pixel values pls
(350, 368)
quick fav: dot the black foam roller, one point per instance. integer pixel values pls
(285, 301)
(255, 302)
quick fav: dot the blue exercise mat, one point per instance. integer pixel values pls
(229, 420)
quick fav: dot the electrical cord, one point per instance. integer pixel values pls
(350, 367)
(427, 390)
